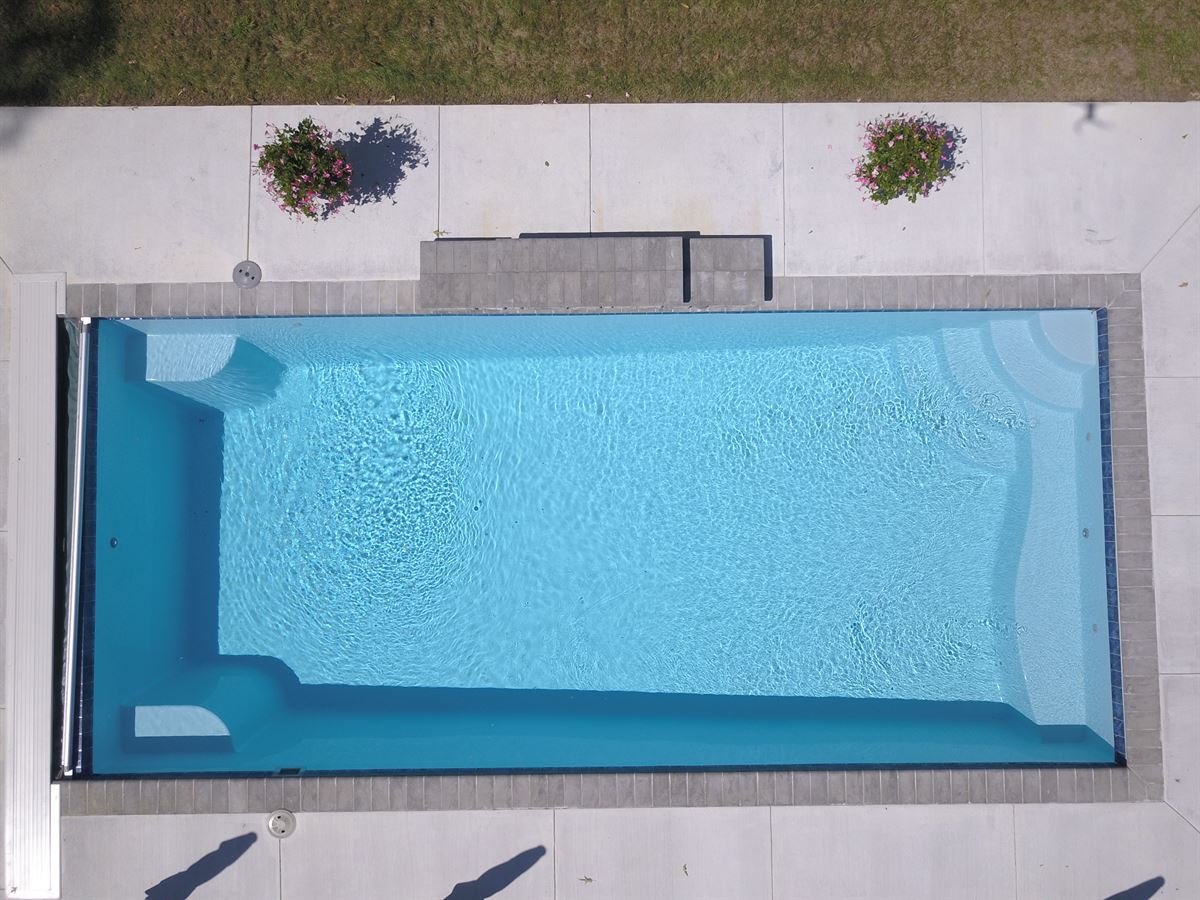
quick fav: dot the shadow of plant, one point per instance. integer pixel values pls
(381, 154)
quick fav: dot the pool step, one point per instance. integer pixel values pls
(594, 272)
(1038, 365)
(221, 371)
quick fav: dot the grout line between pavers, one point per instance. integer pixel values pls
(1186, 820)
(983, 261)
(1016, 865)
(783, 237)
(249, 179)
(438, 231)
(771, 845)
(590, 209)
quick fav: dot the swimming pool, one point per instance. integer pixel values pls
(473, 542)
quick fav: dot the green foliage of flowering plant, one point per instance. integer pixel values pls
(907, 156)
(303, 170)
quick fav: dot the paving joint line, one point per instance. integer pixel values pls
(590, 209)
(1172, 237)
(438, 231)
(983, 260)
(784, 195)
(1186, 820)
(249, 179)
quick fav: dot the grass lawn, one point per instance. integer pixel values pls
(523, 51)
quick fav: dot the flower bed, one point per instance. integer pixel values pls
(304, 172)
(907, 156)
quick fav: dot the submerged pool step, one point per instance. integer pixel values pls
(593, 272)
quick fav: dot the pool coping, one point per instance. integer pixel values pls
(1140, 779)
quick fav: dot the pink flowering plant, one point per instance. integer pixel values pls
(304, 171)
(906, 156)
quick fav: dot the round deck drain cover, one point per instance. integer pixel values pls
(281, 823)
(247, 274)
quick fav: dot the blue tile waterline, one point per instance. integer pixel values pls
(788, 404)
(1110, 547)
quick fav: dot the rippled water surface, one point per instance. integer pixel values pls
(814, 505)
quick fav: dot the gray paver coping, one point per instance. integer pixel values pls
(1141, 779)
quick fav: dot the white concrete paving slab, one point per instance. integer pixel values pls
(1181, 744)
(125, 195)
(663, 853)
(1177, 594)
(893, 851)
(1171, 305)
(419, 855)
(832, 231)
(1173, 423)
(513, 169)
(1099, 849)
(716, 168)
(1075, 187)
(394, 150)
(231, 857)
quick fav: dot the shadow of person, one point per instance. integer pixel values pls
(381, 154)
(1089, 117)
(1143, 891)
(206, 868)
(497, 878)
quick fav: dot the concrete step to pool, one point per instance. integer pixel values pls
(594, 272)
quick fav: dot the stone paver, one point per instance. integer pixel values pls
(1097, 851)
(727, 270)
(663, 853)
(1181, 743)
(1173, 417)
(711, 168)
(832, 231)
(946, 852)
(1177, 593)
(1086, 187)
(378, 239)
(418, 855)
(118, 194)
(1171, 284)
(507, 170)
(562, 274)
(123, 857)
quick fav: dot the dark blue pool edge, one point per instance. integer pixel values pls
(999, 292)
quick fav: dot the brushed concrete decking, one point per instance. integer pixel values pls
(167, 195)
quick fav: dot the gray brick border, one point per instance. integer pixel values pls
(1141, 779)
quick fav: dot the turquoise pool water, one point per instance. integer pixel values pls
(599, 541)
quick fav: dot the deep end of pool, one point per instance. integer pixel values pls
(473, 543)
